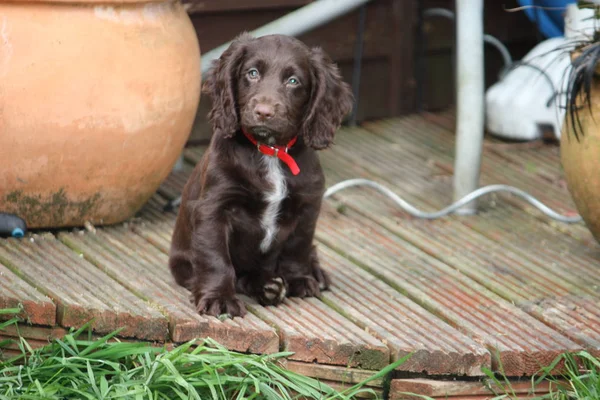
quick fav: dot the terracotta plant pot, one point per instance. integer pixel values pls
(580, 157)
(96, 103)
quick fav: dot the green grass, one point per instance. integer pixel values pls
(579, 381)
(76, 368)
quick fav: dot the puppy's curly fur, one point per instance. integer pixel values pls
(235, 193)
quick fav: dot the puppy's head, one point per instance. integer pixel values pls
(276, 88)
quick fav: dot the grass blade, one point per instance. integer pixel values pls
(10, 311)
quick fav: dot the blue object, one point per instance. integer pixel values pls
(18, 233)
(12, 225)
(548, 15)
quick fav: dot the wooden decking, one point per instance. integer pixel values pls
(507, 289)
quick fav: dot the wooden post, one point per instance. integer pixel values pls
(402, 72)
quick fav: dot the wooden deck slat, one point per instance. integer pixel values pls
(172, 186)
(516, 275)
(421, 187)
(519, 275)
(193, 155)
(14, 292)
(420, 137)
(81, 292)
(495, 168)
(333, 373)
(412, 178)
(398, 170)
(36, 337)
(158, 234)
(538, 164)
(142, 268)
(382, 156)
(153, 210)
(523, 278)
(316, 333)
(436, 348)
(533, 158)
(34, 332)
(577, 317)
(557, 252)
(466, 390)
(465, 304)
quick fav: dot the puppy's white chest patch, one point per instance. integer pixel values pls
(276, 178)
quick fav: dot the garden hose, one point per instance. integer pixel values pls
(415, 212)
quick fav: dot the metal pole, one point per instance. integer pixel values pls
(470, 100)
(295, 23)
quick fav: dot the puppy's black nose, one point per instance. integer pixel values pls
(264, 111)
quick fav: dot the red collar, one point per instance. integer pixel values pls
(280, 152)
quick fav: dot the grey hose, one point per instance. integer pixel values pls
(489, 39)
(458, 204)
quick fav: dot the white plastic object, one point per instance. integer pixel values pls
(525, 102)
(520, 105)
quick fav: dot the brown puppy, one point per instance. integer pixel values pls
(247, 217)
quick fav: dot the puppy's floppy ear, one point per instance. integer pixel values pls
(221, 84)
(330, 101)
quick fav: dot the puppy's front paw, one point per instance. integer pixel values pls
(273, 292)
(322, 277)
(218, 306)
(318, 273)
(306, 286)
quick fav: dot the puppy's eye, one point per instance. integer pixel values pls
(293, 81)
(253, 73)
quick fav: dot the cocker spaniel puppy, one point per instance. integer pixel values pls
(249, 210)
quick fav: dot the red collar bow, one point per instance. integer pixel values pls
(280, 152)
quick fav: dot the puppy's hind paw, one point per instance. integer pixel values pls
(273, 292)
(220, 306)
(305, 286)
